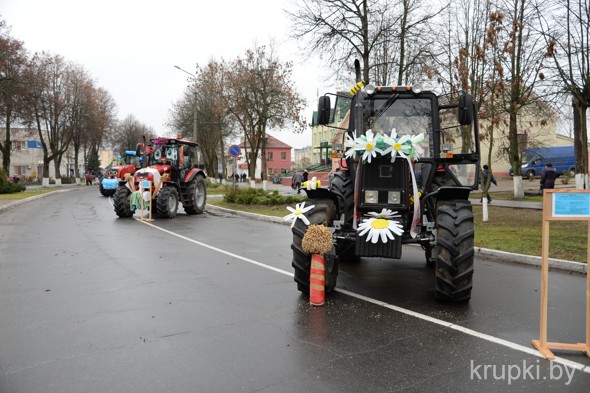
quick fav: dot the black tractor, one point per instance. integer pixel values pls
(408, 160)
(184, 181)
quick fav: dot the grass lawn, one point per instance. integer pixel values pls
(519, 231)
(28, 193)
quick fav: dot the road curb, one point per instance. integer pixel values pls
(532, 260)
(500, 256)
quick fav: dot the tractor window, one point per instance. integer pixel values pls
(171, 153)
(456, 139)
(408, 116)
(464, 173)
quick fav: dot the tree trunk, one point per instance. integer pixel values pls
(7, 148)
(515, 156)
(580, 143)
(263, 169)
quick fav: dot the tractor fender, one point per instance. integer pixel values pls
(450, 193)
(191, 174)
(322, 193)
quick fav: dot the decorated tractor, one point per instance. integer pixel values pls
(408, 160)
(171, 177)
(116, 173)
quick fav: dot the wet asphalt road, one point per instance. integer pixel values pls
(92, 303)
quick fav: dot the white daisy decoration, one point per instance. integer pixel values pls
(417, 149)
(381, 226)
(349, 145)
(367, 145)
(385, 213)
(401, 145)
(297, 212)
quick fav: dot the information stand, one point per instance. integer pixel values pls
(562, 205)
(145, 186)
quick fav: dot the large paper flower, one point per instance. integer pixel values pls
(381, 226)
(365, 144)
(395, 145)
(298, 213)
(417, 149)
(349, 145)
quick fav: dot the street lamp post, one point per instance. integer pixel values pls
(194, 110)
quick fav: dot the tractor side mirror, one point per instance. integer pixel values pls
(465, 110)
(324, 110)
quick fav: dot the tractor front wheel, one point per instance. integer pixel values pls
(121, 202)
(454, 263)
(323, 213)
(167, 202)
(105, 192)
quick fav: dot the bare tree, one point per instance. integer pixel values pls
(342, 29)
(129, 132)
(47, 76)
(404, 44)
(566, 28)
(259, 94)
(213, 122)
(523, 51)
(13, 59)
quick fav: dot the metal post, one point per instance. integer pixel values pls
(195, 108)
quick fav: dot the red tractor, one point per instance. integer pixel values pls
(173, 177)
(116, 173)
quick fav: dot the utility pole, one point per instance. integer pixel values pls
(195, 108)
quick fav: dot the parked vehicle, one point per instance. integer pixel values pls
(116, 173)
(378, 202)
(534, 160)
(184, 183)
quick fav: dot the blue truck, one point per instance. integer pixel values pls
(534, 160)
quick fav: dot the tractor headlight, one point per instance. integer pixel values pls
(394, 197)
(371, 196)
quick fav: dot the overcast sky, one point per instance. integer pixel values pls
(130, 47)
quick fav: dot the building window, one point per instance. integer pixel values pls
(20, 145)
(270, 156)
(284, 156)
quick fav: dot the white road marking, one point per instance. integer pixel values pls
(487, 337)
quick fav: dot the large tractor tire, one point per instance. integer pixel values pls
(106, 192)
(454, 264)
(343, 188)
(323, 213)
(121, 202)
(196, 196)
(167, 202)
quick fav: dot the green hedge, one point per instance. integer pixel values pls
(7, 187)
(256, 196)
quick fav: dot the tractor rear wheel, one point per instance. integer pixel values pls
(196, 196)
(454, 263)
(167, 202)
(121, 202)
(323, 213)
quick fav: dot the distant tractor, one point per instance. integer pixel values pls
(408, 161)
(116, 173)
(174, 177)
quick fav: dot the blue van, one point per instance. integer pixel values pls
(535, 159)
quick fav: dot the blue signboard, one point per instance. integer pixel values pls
(234, 150)
(571, 205)
(34, 145)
